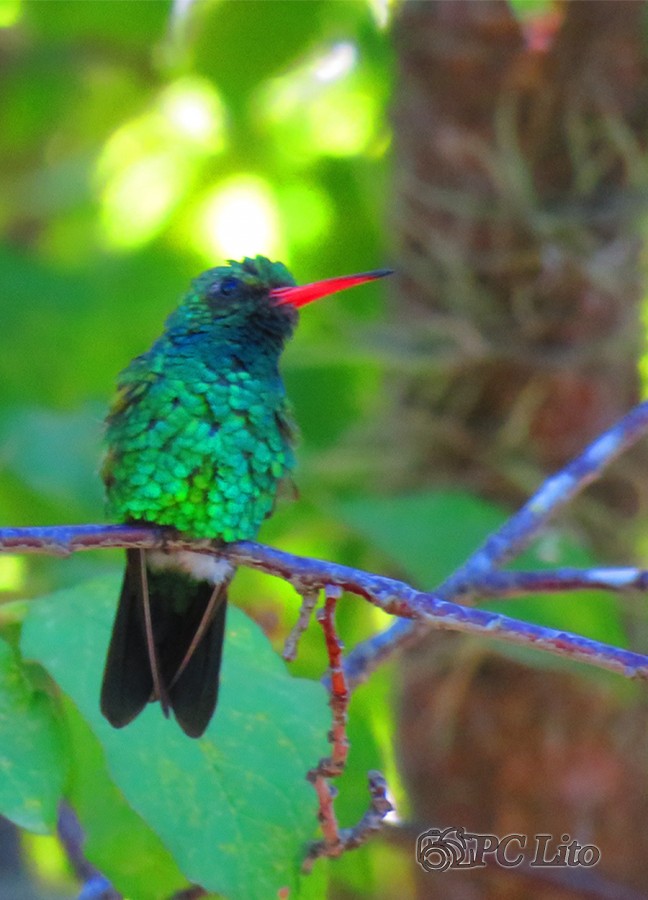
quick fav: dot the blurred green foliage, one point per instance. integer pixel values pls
(142, 142)
(429, 535)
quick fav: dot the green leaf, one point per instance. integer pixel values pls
(32, 762)
(233, 808)
(116, 838)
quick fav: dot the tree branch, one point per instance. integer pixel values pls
(394, 597)
(514, 536)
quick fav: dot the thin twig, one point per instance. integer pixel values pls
(351, 838)
(514, 536)
(514, 584)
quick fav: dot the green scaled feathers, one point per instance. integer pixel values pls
(200, 433)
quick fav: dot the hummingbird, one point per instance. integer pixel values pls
(199, 438)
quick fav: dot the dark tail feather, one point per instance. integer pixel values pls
(128, 680)
(194, 694)
(153, 654)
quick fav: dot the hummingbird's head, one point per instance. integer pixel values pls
(238, 296)
(258, 296)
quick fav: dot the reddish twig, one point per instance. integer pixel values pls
(333, 765)
(336, 841)
(339, 702)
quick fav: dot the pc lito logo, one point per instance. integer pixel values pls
(438, 850)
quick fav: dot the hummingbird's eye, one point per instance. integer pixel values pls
(228, 286)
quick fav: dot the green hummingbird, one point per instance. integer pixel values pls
(199, 438)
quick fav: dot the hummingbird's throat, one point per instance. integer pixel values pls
(301, 294)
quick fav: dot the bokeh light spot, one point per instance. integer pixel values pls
(325, 107)
(136, 202)
(9, 12)
(152, 162)
(342, 122)
(12, 573)
(239, 218)
(192, 107)
(337, 63)
(382, 11)
(643, 362)
(47, 858)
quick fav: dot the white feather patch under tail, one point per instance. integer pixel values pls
(200, 566)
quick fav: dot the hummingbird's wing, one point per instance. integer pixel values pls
(133, 383)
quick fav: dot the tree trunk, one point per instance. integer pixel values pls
(520, 180)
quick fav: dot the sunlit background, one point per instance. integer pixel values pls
(141, 143)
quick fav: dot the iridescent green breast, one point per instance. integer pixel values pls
(197, 448)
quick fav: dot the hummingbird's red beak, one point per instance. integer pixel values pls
(302, 294)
